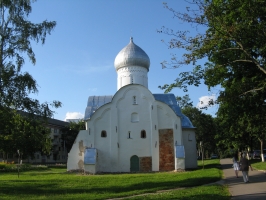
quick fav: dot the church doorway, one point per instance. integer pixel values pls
(134, 163)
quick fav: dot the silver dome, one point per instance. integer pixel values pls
(130, 55)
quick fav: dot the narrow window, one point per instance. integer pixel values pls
(134, 100)
(189, 137)
(116, 129)
(176, 126)
(143, 134)
(103, 134)
(131, 80)
(129, 134)
(89, 131)
(155, 127)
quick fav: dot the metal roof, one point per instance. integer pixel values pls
(95, 102)
(170, 100)
(132, 55)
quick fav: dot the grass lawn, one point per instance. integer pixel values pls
(257, 164)
(56, 183)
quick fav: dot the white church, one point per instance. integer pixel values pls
(133, 130)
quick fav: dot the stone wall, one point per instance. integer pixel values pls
(145, 164)
(166, 150)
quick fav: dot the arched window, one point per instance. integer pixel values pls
(143, 134)
(134, 117)
(103, 134)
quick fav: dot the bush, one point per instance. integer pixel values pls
(6, 167)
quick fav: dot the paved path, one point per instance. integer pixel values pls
(239, 190)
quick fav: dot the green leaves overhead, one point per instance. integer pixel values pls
(226, 50)
(16, 35)
(25, 132)
(232, 35)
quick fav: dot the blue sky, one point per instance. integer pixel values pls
(77, 59)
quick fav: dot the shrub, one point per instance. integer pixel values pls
(4, 167)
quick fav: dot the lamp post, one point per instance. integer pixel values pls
(202, 153)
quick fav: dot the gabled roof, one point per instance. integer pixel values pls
(170, 100)
(95, 102)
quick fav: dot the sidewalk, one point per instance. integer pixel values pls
(239, 190)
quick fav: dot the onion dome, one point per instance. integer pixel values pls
(132, 55)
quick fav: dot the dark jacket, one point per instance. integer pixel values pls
(244, 164)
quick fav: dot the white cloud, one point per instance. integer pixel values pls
(204, 101)
(74, 115)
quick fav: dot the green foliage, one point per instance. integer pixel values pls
(231, 35)
(20, 132)
(184, 101)
(22, 168)
(70, 132)
(16, 34)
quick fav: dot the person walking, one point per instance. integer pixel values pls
(236, 164)
(244, 167)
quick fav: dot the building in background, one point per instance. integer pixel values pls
(58, 153)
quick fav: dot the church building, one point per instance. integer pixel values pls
(133, 130)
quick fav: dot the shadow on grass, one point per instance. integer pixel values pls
(85, 185)
(44, 187)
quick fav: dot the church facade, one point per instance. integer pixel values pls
(133, 130)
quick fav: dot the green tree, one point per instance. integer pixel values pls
(16, 35)
(242, 124)
(228, 40)
(184, 101)
(29, 135)
(69, 133)
(232, 39)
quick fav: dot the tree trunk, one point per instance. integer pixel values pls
(261, 150)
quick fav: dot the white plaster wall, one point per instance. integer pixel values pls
(115, 150)
(125, 74)
(75, 159)
(135, 145)
(189, 140)
(103, 143)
